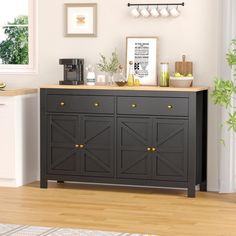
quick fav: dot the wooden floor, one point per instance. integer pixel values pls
(151, 211)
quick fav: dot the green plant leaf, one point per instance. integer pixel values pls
(222, 93)
(224, 90)
(232, 121)
(231, 55)
(110, 65)
(222, 141)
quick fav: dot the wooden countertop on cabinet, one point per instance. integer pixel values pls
(114, 87)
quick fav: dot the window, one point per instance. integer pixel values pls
(17, 36)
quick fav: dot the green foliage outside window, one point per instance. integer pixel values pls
(225, 90)
(14, 50)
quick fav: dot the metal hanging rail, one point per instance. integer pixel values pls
(155, 4)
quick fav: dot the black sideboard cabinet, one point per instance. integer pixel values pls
(147, 138)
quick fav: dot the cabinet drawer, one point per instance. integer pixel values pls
(152, 106)
(85, 104)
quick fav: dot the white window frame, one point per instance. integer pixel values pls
(32, 67)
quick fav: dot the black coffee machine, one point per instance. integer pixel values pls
(73, 71)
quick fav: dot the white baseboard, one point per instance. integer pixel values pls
(8, 183)
(212, 188)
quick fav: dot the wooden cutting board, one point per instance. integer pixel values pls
(184, 67)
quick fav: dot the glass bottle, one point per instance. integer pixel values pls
(164, 76)
(136, 81)
(91, 78)
(131, 74)
(119, 77)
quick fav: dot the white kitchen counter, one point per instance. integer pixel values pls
(18, 137)
(17, 92)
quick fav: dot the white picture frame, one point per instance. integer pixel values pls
(142, 51)
(81, 20)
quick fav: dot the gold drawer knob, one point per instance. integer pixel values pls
(170, 106)
(134, 105)
(76, 145)
(62, 104)
(96, 104)
(149, 149)
(81, 145)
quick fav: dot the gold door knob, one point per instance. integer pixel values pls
(76, 145)
(154, 149)
(134, 105)
(62, 104)
(81, 145)
(149, 149)
(96, 104)
(170, 106)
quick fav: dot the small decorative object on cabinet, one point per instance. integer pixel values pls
(142, 51)
(164, 76)
(18, 137)
(184, 67)
(101, 80)
(91, 77)
(181, 82)
(110, 66)
(144, 135)
(130, 76)
(183, 76)
(119, 77)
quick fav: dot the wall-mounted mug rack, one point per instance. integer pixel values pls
(154, 9)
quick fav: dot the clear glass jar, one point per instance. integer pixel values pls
(119, 77)
(164, 76)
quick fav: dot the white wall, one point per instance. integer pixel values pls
(194, 33)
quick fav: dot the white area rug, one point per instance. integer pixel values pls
(26, 230)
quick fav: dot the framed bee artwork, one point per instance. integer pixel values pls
(81, 20)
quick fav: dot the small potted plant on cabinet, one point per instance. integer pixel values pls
(110, 66)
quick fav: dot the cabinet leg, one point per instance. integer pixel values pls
(191, 192)
(203, 186)
(43, 183)
(60, 181)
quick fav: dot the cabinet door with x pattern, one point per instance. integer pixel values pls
(170, 156)
(97, 138)
(133, 148)
(62, 144)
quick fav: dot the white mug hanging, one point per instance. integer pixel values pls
(154, 12)
(164, 12)
(135, 12)
(144, 12)
(175, 12)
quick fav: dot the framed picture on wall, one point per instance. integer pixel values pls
(142, 51)
(81, 20)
